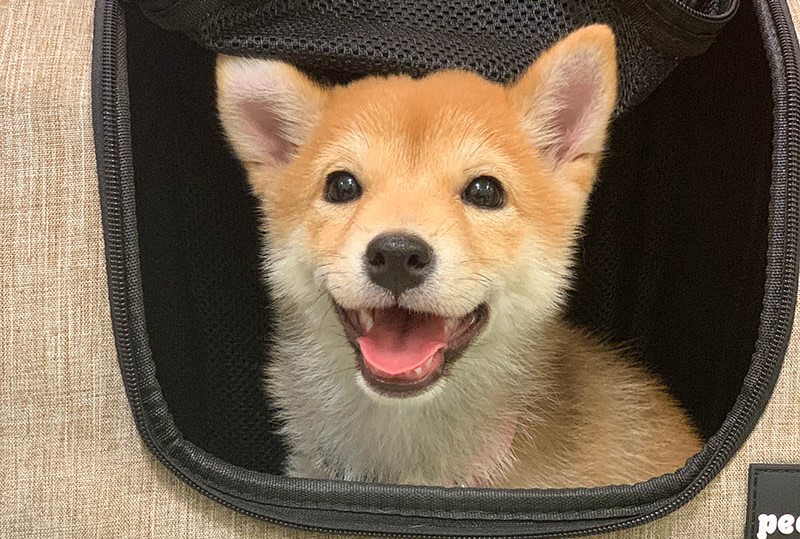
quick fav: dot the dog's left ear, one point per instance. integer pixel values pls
(567, 96)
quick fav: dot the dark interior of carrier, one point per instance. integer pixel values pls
(672, 262)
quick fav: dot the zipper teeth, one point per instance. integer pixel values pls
(697, 13)
(115, 252)
(113, 132)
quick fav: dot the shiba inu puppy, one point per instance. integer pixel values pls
(418, 244)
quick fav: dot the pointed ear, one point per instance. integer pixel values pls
(567, 96)
(267, 108)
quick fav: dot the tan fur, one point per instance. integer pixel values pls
(610, 422)
(584, 416)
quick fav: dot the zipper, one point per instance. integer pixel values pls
(699, 9)
(113, 158)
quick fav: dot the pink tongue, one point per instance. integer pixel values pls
(400, 341)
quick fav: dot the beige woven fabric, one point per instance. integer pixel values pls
(71, 462)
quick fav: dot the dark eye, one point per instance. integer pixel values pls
(341, 187)
(484, 192)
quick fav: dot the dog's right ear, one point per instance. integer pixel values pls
(267, 108)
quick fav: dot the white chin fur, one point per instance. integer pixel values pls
(429, 394)
(331, 414)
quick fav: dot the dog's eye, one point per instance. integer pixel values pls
(484, 192)
(341, 187)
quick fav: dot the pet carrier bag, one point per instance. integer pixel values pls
(689, 257)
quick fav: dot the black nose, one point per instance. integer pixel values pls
(398, 262)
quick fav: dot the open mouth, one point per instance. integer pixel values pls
(402, 352)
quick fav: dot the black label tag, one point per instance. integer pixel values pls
(773, 502)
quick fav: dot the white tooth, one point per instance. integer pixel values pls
(418, 371)
(366, 319)
(429, 363)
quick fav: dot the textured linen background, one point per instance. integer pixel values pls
(71, 462)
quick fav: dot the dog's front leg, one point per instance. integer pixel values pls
(299, 465)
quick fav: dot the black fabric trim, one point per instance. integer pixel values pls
(180, 15)
(672, 26)
(423, 511)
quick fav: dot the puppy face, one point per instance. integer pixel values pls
(414, 223)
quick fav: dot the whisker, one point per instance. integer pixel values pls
(439, 228)
(341, 371)
(359, 226)
(273, 259)
(470, 298)
(327, 312)
(333, 254)
(439, 232)
(476, 259)
(326, 274)
(479, 280)
(321, 295)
